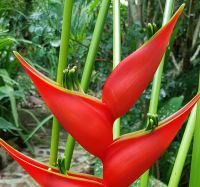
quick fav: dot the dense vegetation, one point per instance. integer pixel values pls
(34, 27)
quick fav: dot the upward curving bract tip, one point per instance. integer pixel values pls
(129, 79)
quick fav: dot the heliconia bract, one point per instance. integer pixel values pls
(50, 177)
(133, 74)
(135, 153)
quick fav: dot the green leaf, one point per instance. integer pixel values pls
(3, 92)
(170, 107)
(5, 42)
(8, 89)
(6, 78)
(6, 125)
(10, 93)
(40, 125)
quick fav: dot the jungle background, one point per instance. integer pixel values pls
(33, 28)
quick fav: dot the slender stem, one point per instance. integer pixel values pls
(116, 52)
(94, 44)
(88, 69)
(61, 66)
(116, 33)
(69, 147)
(116, 128)
(183, 150)
(157, 82)
(195, 169)
(158, 75)
(69, 151)
(65, 36)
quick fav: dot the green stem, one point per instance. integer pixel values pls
(157, 82)
(61, 66)
(88, 68)
(94, 44)
(69, 151)
(183, 150)
(158, 75)
(195, 169)
(116, 52)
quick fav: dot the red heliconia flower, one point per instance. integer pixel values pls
(123, 87)
(90, 120)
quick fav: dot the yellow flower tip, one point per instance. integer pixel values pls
(16, 53)
(181, 8)
(18, 56)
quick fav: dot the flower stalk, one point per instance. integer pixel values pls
(116, 52)
(157, 83)
(85, 81)
(195, 169)
(71, 82)
(65, 35)
(69, 151)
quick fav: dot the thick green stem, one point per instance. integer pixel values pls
(88, 68)
(69, 151)
(70, 143)
(183, 150)
(94, 44)
(157, 82)
(116, 52)
(195, 169)
(61, 66)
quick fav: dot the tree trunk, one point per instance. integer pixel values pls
(135, 12)
(189, 36)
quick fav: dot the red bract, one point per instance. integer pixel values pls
(90, 120)
(133, 74)
(133, 154)
(50, 177)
